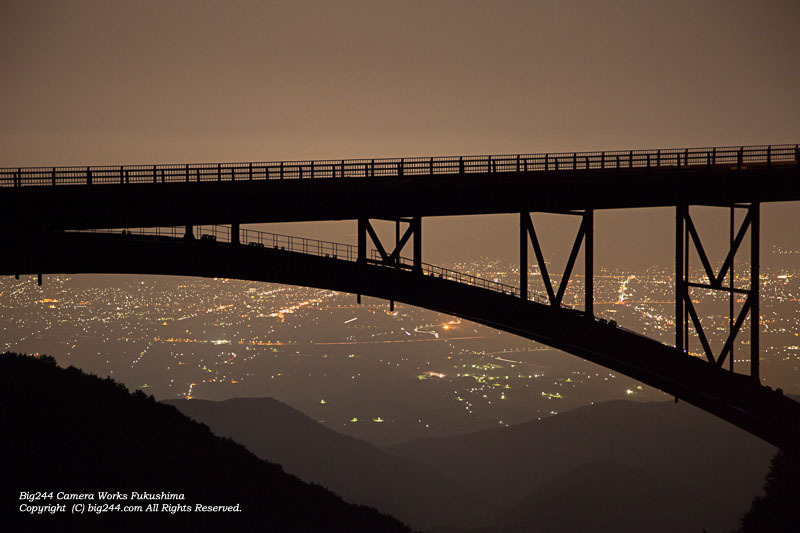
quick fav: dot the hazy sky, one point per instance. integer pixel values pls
(92, 82)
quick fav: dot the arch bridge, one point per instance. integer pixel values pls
(62, 219)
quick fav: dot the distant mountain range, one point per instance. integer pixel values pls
(64, 434)
(615, 466)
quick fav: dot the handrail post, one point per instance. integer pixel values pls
(88, 176)
(461, 164)
(602, 160)
(739, 158)
(250, 171)
(187, 172)
(769, 155)
(281, 169)
(219, 171)
(431, 166)
(54, 176)
(121, 179)
(155, 180)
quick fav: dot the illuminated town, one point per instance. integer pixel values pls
(364, 370)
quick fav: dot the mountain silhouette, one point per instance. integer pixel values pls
(67, 432)
(680, 452)
(505, 478)
(356, 470)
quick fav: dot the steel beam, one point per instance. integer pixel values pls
(686, 232)
(556, 296)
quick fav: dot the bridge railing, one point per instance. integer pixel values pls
(334, 250)
(732, 157)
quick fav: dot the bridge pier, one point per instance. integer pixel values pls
(685, 313)
(584, 237)
(235, 234)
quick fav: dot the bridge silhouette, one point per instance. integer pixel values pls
(192, 215)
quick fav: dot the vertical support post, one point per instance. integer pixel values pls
(362, 240)
(39, 279)
(189, 234)
(397, 239)
(680, 288)
(417, 222)
(755, 317)
(235, 234)
(732, 285)
(523, 257)
(588, 253)
(362, 247)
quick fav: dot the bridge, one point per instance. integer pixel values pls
(64, 220)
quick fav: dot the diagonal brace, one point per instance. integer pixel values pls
(715, 280)
(556, 297)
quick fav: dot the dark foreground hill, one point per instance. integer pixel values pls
(356, 470)
(63, 432)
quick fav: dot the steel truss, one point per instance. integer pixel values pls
(685, 312)
(585, 233)
(414, 230)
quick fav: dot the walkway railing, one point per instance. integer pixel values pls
(333, 250)
(732, 157)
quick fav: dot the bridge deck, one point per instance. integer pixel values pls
(171, 195)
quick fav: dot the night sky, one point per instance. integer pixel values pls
(111, 82)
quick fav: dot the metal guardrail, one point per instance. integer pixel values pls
(333, 250)
(732, 157)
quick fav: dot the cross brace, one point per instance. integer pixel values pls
(556, 296)
(686, 232)
(392, 258)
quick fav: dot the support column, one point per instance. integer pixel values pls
(189, 234)
(235, 234)
(588, 252)
(680, 288)
(755, 283)
(731, 286)
(361, 247)
(362, 240)
(523, 256)
(417, 222)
